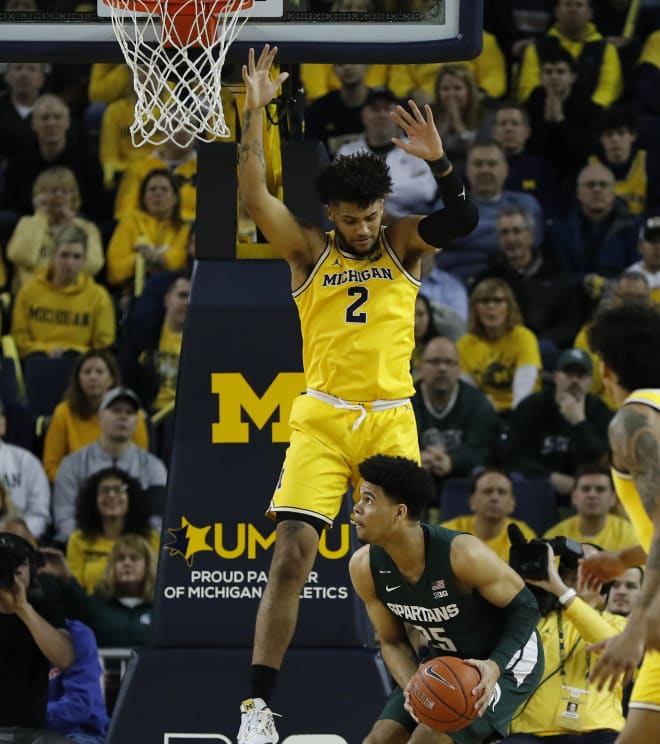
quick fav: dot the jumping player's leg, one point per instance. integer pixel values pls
(307, 498)
(296, 546)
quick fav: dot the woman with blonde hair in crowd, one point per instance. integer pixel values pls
(499, 354)
(110, 504)
(56, 201)
(119, 611)
(75, 421)
(457, 110)
(155, 233)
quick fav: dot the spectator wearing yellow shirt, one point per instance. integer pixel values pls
(565, 707)
(62, 309)
(498, 354)
(492, 503)
(594, 498)
(75, 421)
(598, 66)
(116, 148)
(180, 160)
(151, 351)
(56, 201)
(419, 81)
(110, 504)
(155, 231)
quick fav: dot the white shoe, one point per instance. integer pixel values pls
(257, 724)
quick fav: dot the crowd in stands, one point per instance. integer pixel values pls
(554, 127)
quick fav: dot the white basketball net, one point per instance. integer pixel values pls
(177, 69)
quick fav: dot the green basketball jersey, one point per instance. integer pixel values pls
(453, 621)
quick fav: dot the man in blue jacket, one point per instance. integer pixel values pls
(76, 708)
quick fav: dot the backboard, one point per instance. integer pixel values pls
(395, 31)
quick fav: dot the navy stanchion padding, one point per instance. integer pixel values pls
(536, 502)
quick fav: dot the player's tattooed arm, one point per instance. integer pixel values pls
(636, 450)
(252, 147)
(635, 443)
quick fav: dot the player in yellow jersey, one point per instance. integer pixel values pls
(355, 289)
(627, 340)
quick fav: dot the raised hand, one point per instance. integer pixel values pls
(259, 88)
(423, 139)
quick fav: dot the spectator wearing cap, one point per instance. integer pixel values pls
(594, 498)
(555, 431)
(415, 188)
(649, 249)
(118, 414)
(25, 479)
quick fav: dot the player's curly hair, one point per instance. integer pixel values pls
(402, 480)
(627, 339)
(361, 179)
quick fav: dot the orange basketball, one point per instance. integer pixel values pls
(441, 693)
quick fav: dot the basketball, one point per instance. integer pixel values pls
(441, 693)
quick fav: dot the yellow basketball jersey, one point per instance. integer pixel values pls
(357, 319)
(625, 485)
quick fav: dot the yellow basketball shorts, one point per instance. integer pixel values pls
(646, 690)
(325, 450)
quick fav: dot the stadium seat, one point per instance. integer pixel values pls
(46, 380)
(536, 502)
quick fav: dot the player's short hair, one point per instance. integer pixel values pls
(402, 480)
(627, 338)
(362, 178)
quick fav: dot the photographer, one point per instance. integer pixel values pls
(565, 704)
(31, 637)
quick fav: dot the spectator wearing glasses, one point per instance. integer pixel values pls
(110, 504)
(597, 238)
(455, 422)
(555, 431)
(498, 354)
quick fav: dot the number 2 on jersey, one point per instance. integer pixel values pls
(362, 294)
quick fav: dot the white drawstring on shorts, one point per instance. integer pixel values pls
(376, 405)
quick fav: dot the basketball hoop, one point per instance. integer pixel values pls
(176, 50)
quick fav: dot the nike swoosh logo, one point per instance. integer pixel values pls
(383, 572)
(462, 194)
(430, 672)
(392, 588)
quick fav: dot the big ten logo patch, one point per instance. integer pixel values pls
(235, 396)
